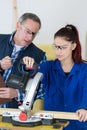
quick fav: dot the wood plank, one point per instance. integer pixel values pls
(2, 110)
(15, 13)
(62, 115)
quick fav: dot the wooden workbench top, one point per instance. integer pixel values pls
(60, 115)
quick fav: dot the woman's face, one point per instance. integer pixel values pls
(63, 48)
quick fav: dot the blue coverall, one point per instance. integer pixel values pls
(65, 93)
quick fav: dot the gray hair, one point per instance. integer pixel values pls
(32, 16)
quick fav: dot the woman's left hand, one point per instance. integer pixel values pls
(82, 114)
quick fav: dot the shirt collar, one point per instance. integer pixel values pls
(12, 42)
(11, 38)
(57, 66)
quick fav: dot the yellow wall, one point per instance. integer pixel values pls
(50, 53)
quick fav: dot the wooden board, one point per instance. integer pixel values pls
(62, 115)
(2, 110)
(15, 12)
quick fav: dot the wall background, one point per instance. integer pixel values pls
(53, 13)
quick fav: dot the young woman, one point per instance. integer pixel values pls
(65, 79)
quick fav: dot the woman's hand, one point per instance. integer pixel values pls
(82, 114)
(28, 61)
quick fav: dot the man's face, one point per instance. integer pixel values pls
(26, 32)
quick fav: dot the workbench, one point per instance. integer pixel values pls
(9, 126)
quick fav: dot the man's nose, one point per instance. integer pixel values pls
(30, 36)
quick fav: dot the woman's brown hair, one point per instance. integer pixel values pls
(70, 33)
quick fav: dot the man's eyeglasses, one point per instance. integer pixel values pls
(28, 31)
(60, 47)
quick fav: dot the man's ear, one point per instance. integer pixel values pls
(17, 25)
(73, 46)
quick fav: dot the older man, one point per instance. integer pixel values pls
(15, 46)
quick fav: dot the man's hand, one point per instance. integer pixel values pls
(8, 93)
(82, 114)
(6, 63)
